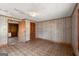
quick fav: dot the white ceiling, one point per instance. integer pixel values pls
(43, 11)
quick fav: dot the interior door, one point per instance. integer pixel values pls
(32, 31)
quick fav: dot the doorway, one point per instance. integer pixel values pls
(13, 29)
(12, 33)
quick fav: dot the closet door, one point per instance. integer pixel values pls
(32, 31)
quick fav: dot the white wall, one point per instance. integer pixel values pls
(3, 30)
(58, 30)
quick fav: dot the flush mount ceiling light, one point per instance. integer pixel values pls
(33, 14)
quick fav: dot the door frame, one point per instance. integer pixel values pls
(8, 29)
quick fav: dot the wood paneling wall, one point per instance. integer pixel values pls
(75, 30)
(78, 29)
(58, 30)
(3, 30)
(24, 31)
(21, 33)
(27, 32)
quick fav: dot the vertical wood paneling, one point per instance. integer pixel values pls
(27, 31)
(75, 30)
(21, 31)
(3, 30)
(55, 30)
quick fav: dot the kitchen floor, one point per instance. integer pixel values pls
(12, 40)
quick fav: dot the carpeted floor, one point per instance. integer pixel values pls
(37, 48)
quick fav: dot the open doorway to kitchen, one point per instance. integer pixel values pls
(13, 29)
(12, 33)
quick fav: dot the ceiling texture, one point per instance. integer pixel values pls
(37, 11)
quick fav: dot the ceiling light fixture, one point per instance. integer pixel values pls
(33, 14)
